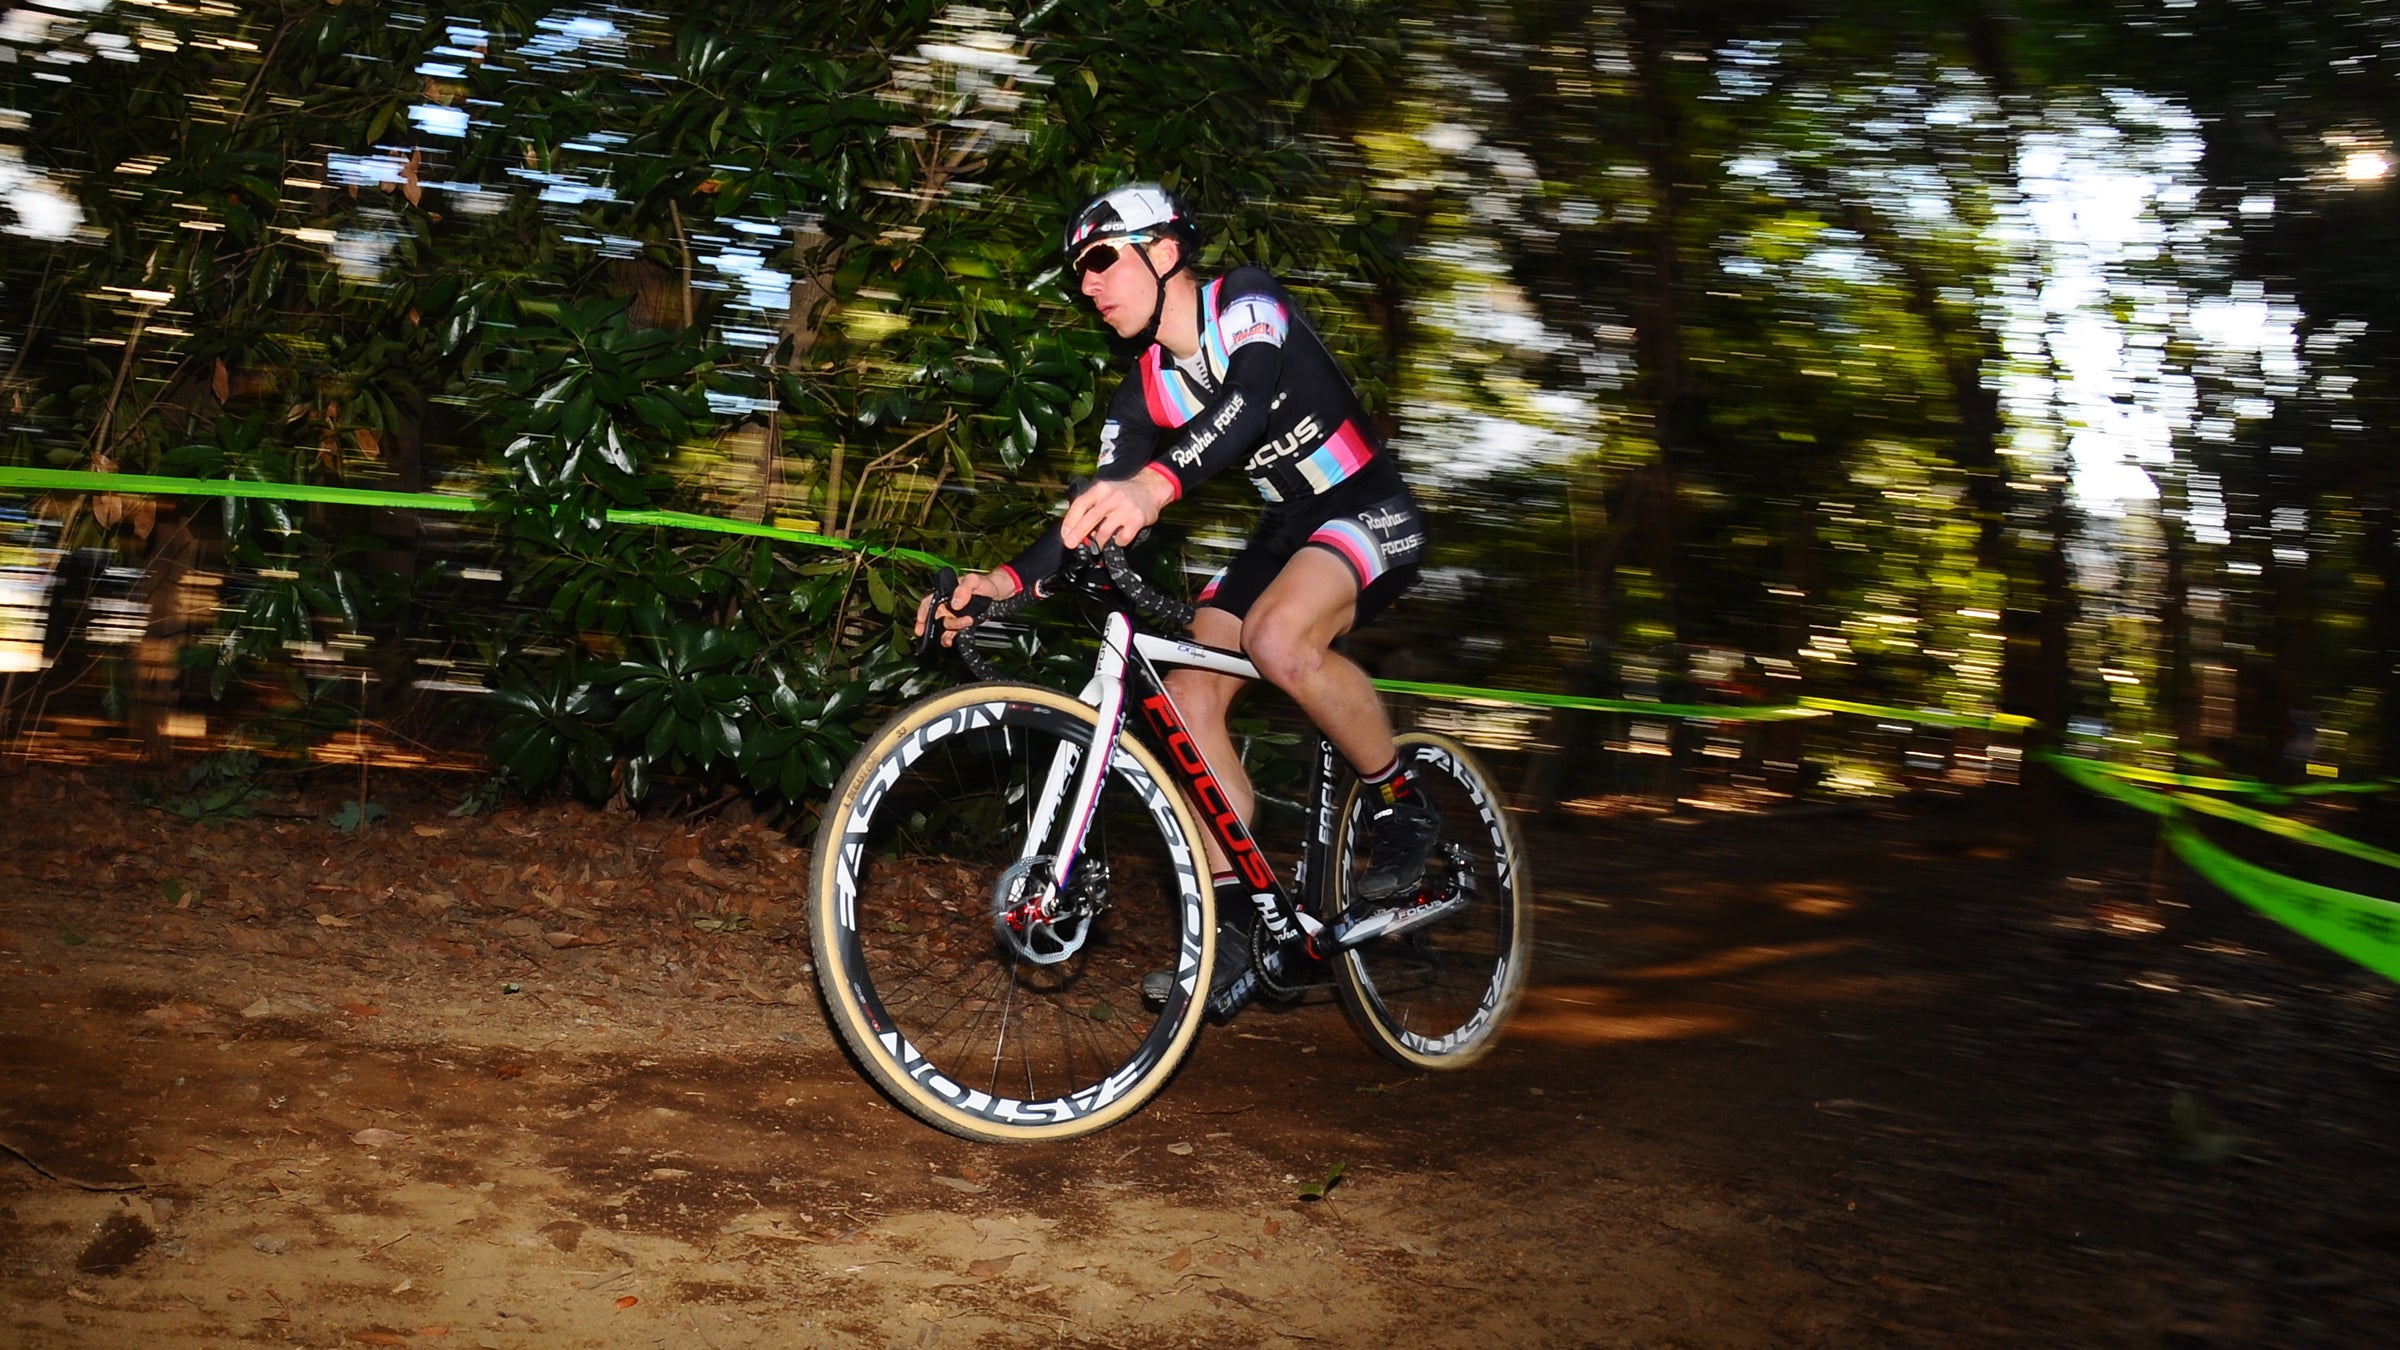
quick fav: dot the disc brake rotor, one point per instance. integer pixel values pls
(1018, 922)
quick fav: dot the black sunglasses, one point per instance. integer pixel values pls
(1101, 257)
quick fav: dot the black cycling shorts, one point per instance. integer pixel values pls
(1381, 545)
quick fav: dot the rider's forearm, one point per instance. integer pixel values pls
(1045, 555)
(1040, 560)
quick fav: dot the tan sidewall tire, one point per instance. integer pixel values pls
(1357, 1004)
(849, 1019)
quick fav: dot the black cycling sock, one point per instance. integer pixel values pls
(1233, 900)
(1395, 784)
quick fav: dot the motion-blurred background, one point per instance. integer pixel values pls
(1982, 357)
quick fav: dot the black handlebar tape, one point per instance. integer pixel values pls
(983, 609)
(1148, 598)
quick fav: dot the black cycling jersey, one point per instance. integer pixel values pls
(1264, 392)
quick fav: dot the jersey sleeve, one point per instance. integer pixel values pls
(1128, 441)
(1253, 320)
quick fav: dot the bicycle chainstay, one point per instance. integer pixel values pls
(1268, 963)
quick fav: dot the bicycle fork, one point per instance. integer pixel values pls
(1028, 914)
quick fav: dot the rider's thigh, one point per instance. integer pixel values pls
(1196, 690)
(1213, 627)
(1293, 625)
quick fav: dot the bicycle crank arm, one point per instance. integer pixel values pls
(1254, 982)
(1385, 923)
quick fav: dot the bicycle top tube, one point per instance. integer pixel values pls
(1166, 651)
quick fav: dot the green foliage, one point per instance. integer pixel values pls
(355, 816)
(483, 796)
(1319, 1190)
(221, 787)
(552, 722)
(792, 261)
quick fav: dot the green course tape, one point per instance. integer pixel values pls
(1707, 712)
(2289, 829)
(2138, 774)
(1925, 717)
(2097, 777)
(74, 480)
(2336, 789)
(685, 520)
(77, 480)
(2248, 787)
(2109, 781)
(2361, 927)
(1696, 711)
(2100, 778)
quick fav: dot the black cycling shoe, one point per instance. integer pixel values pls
(1233, 952)
(1405, 833)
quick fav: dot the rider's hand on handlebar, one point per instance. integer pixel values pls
(952, 609)
(1113, 511)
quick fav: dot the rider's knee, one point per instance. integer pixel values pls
(1285, 653)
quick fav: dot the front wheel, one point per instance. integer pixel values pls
(987, 1027)
(1436, 997)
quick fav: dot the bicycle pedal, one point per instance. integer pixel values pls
(1399, 919)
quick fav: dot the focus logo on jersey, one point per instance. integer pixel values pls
(1108, 442)
(1308, 433)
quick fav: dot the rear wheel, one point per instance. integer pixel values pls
(1436, 997)
(978, 1023)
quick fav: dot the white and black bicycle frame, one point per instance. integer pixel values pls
(1127, 673)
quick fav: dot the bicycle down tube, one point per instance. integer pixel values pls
(1286, 915)
(1289, 914)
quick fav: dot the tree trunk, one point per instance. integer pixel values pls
(2178, 683)
(2382, 556)
(2034, 667)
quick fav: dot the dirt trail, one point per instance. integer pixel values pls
(558, 1078)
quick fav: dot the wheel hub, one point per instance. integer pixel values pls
(1022, 927)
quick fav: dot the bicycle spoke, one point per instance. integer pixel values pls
(949, 1013)
(1437, 995)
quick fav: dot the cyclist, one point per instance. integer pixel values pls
(1227, 372)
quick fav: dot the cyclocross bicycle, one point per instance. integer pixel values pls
(989, 889)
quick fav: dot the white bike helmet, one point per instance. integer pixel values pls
(1135, 214)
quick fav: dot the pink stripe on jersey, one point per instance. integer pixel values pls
(1343, 453)
(1350, 448)
(1163, 390)
(1174, 484)
(1153, 391)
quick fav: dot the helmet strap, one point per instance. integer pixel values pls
(1141, 342)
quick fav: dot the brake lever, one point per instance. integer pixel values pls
(945, 586)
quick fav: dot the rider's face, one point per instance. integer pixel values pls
(1125, 291)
